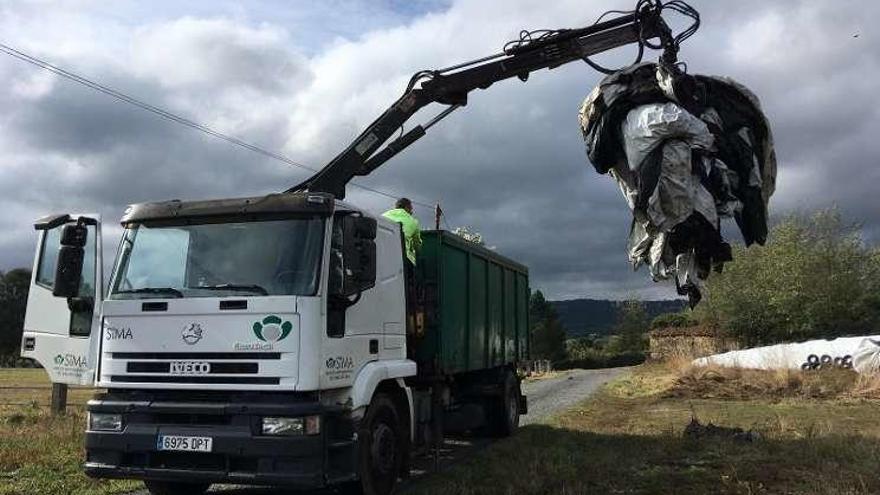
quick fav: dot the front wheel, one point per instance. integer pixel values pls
(381, 447)
(175, 488)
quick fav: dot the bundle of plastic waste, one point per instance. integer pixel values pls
(686, 151)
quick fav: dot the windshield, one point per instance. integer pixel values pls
(249, 258)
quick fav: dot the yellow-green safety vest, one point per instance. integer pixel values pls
(411, 231)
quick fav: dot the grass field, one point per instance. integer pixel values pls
(819, 435)
(39, 454)
(628, 439)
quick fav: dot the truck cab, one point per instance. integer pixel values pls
(256, 340)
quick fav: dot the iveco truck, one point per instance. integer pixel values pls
(269, 340)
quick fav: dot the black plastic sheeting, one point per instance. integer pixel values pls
(686, 152)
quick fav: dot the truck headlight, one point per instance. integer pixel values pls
(105, 422)
(309, 425)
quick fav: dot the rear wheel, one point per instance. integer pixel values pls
(505, 410)
(175, 488)
(381, 447)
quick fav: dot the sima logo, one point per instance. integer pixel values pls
(339, 363)
(113, 333)
(272, 329)
(71, 361)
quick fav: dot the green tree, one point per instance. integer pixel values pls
(547, 334)
(815, 278)
(630, 329)
(14, 286)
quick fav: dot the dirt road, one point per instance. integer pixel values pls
(551, 395)
(547, 396)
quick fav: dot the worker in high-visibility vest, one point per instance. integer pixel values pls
(403, 214)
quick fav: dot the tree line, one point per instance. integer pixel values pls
(626, 346)
(14, 286)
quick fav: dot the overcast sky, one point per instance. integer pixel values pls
(303, 78)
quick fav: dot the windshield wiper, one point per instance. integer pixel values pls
(248, 287)
(153, 290)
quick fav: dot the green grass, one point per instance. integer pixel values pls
(41, 454)
(628, 439)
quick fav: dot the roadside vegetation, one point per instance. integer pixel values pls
(13, 299)
(816, 278)
(41, 454)
(815, 433)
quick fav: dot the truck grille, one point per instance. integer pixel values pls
(165, 367)
(239, 368)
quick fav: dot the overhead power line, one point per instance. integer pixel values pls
(120, 96)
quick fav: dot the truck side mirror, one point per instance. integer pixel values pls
(68, 273)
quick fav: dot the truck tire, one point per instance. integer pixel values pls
(381, 447)
(504, 416)
(175, 488)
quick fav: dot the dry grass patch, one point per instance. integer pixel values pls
(816, 438)
(715, 382)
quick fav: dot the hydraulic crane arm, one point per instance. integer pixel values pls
(520, 58)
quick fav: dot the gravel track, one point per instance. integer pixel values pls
(549, 396)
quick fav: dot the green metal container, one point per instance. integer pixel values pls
(476, 306)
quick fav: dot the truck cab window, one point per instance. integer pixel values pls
(335, 314)
(81, 314)
(49, 257)
(253, 258)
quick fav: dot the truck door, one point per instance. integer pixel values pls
(62, 333)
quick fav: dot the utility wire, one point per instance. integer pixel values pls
(171, 116)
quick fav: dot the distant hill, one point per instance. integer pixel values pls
(585, 316)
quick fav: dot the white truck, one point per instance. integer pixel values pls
(276, 340)
(264, 341)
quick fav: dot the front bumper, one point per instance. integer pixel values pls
(239, 453)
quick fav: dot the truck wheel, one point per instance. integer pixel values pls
(175, 488)
(381, 447)
(505, 417)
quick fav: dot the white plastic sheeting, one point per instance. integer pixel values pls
(793, 356)
(866, 359)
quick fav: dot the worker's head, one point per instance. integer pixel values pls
(405, 204)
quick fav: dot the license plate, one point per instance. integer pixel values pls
(186, 444)
(190, 368)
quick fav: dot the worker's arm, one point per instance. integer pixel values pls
(451, 86)
(417, 236)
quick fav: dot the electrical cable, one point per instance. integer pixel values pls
(118, 95)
